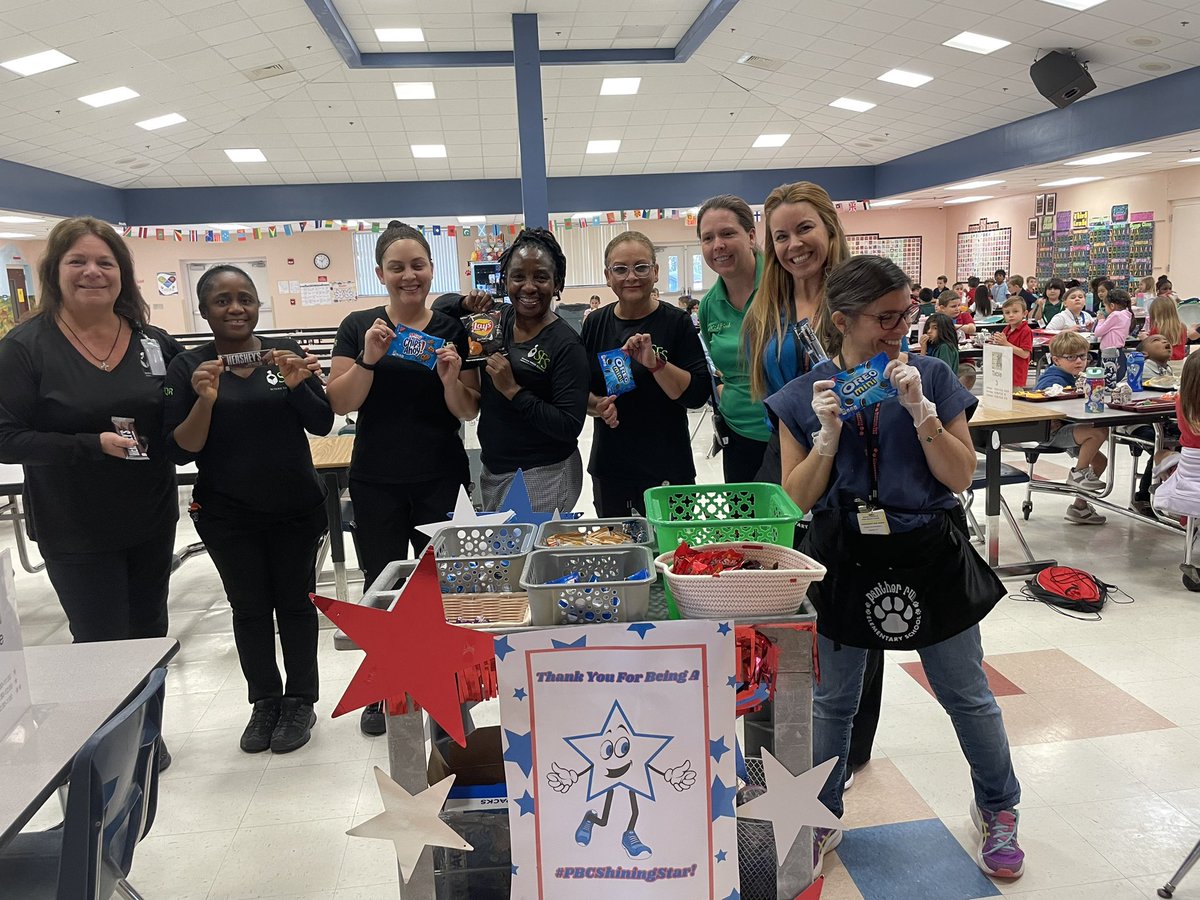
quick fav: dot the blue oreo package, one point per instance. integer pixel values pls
(863, 385)
(415, 346)
(618, 372)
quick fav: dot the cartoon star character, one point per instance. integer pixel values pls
(617, 756)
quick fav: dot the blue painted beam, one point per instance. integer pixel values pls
(335, 29)
(712, 16)
(31, 189)
(435, 59)
(531, 130)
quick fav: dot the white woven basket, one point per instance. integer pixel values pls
(744, 592)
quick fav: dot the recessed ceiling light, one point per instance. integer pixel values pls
(1077, 5)
(907, 79)
(878, 203)
(248, 154)
(771, 140)
(975, 43)
(107, 98)
(472, 220)
(428, 151)
(399, 35)
(603, 146)
(26, 220)
(1105, 158)
(1193, 159)
(414, 90)
(974, 185)
(38, 62)
(615, 86)
(852, 104)
(970, 199)
(1067, 182)
(14, 235)
(161, 121)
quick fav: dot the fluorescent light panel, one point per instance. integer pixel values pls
(603, 146)
(975, 43)
(1194, 159)
(414, 90)
(876, 204)
(1077, 5)
(428, 151)
(246, 155)
(852, 105)
(399, 35)
(905, 79)
(109, 97)
(771, 140)
(970, 199)
(974, 185)
(1067, 182)
(14, 235)
(1105, 158)
(19, 220)
(38, 63)
(611, 87)
(161, 121)
(472, 220)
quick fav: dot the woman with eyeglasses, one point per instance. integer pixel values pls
(883, 488)
(641, 437)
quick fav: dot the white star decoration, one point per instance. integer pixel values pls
(791, 802)
(411, 823)
(464, 515)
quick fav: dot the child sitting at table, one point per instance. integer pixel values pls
(1113, 331)
(1157, 350)
(1073, 316)
(949, 305)
(1018, 335)
(1179, 494)
(1164, 320)
(1069, 355)
(940, 339)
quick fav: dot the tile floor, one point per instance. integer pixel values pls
(1104, 718)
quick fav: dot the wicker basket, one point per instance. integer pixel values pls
(744, 592)
(484, 559)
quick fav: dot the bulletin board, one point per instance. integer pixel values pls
(903, 251)
(1073, 244)
(982, 249)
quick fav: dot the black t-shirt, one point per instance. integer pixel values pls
(404, 430)
(541, 424)
(54, 405)
(652, 442)
(255, 463)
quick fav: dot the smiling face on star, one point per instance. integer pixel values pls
(615, 748)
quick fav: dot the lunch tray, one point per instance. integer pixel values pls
(1065, 395)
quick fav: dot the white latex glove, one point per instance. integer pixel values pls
(829, 413)
(907, 380)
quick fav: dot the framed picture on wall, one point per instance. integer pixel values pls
(1039, 205)
(1033, 229)
(1051, 204)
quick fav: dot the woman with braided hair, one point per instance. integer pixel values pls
(534, 394)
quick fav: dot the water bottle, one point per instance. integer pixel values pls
(1093, 389)
(809, 342)
(1135, 364)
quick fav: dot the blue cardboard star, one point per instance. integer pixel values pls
(731, 681)
(525, 803)
(721, 854)
(722, 799)
(502, 648)
(717, 748)
(517, 500)
(519, 693)
(520, 750)
(739, 761)
(582, 642)
(723, 628)
(734, 895)
(515, 867)
(618, 755)
(641, 628)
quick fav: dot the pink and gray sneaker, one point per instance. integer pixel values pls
(999, 854)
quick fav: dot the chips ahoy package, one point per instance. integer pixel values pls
(415, 346)
(618, 372)
(863, 385)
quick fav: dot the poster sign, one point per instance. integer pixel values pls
(168, 284)
(14, 683)
(1120, 213)
(1062, 221)
(1079, 219)
(997, 376)
(619, 760)
(1142, 217)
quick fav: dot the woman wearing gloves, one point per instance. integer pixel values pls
(882, 481)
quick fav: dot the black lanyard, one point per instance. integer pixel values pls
(871, 438)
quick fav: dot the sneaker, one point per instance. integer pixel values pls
(296, 719)
(1085, 479)
(583, 834)
(257, 736)
(999, 854)
(164, 756)
(849, 780)
(373, 721)
(1142, 507)
(1084, 516)
(824, 840)
(634, 848)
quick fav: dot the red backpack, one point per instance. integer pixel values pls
(1070, 589)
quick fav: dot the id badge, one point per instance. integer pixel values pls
(152, 353)
(872, 520)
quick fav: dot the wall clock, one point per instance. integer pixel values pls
(321, 261)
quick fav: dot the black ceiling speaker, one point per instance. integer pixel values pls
(1061, 78)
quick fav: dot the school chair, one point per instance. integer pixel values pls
(1008, 475)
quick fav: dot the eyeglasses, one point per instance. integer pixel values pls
(889, 320)
(641, 270)
(1074, 357)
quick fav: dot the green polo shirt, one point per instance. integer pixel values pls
(721, 329)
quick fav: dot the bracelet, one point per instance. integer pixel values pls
(358, 361)
(662, 364)
(931, 438)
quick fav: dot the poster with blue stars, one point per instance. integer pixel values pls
(618, 749)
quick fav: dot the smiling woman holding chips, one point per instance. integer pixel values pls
(239, 406)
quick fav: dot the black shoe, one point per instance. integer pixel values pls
(296, 719)
(164, 756)
(257, 736)
(373, 721)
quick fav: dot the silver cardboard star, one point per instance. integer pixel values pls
(791, 802)
(464, 515)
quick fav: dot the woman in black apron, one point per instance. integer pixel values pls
(882, 485)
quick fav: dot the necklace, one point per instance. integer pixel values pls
(103, 362)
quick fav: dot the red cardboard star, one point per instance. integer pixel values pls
(813, 891)
(412, 649)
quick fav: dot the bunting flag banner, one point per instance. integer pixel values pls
(160, 234)
(567, 225)
(466, 230)
(287, 229)
(329, 223)
(126, 231)
(178, 234)
(302, 224)
(691, 219)
(375, 228)
(596, 220)
(452, 231)
(271, 232)
(241, 234)
(224, 236)
(437, 230)
(257, 234)
(362, 226)
(612, 217)
(193, 235)
(208, 236)
(512, 229)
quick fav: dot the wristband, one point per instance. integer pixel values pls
(358, 361)
(662, 364)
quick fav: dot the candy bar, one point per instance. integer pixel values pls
(248, 359)
(124, 427)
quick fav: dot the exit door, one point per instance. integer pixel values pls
(18, 290)
(255, 268)
(681, 270)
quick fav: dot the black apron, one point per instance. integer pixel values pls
(896, 591)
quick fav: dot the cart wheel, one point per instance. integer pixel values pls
(1191, 578)
(1026, 509)
(1166, 892)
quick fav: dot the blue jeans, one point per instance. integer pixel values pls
(954, 668)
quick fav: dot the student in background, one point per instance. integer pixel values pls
(1073, 316)
(940, 339)
(927, 301)
(1158, 356)
(1031, 285)
(942, 285)
(1178, 495)
(1113, 329)
(1158, 364)
(1146, 291)
(1166, 289)
(1050, 304)
(1164, 320)
(981, 301)
(1068, 355)
(593, 305)
(1017, 334)
(1100, 288)
(961, 289)
(999, 288)
(949, 305)
(1016, 286)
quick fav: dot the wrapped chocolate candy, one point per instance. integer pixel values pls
(248, 359)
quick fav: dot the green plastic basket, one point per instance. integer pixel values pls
(719, 513)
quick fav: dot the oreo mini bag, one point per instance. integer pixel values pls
(863, 385)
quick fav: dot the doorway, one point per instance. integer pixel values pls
(18, 290)
(255, 268)
(681, 270)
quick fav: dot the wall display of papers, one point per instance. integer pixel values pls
(903, 251)
(982, 249)
(1076, 245)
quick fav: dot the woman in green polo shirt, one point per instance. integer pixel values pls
(725, 226)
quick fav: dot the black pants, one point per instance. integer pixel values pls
(118, 594)
(268, 572)
(386, 517)
(616, 497)
(866, 720)
(741, 459)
